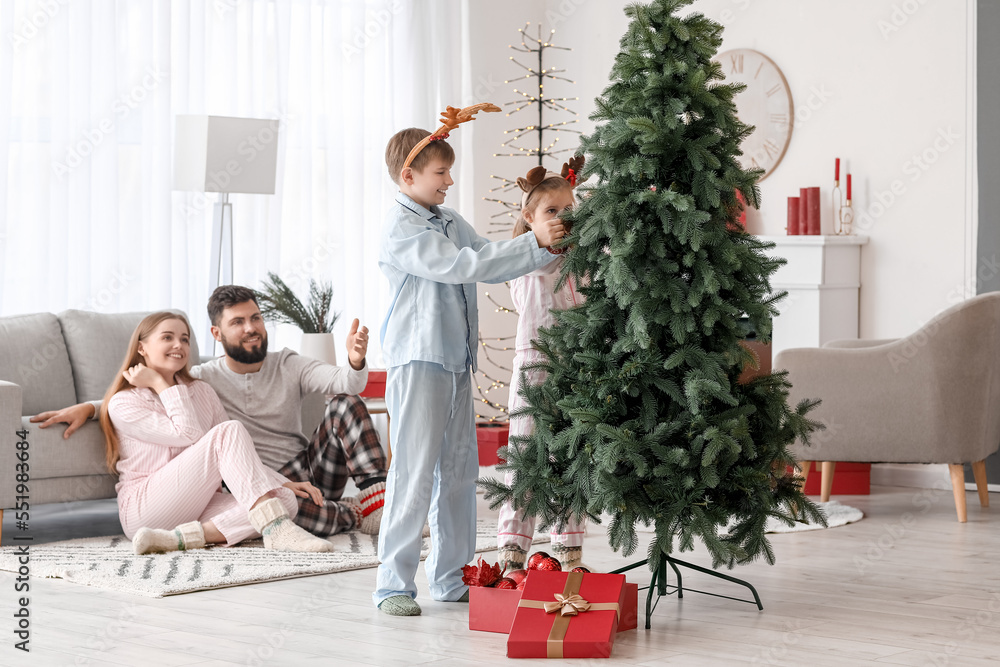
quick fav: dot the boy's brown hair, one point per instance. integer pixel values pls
(402, 143)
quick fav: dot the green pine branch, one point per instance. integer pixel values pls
(278, 303)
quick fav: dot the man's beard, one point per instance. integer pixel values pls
(244, 356)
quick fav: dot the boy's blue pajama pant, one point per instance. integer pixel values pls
(433, 474)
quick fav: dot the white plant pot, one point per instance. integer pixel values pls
(319, 346)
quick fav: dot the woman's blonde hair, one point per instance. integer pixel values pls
(548, 185)
(132, 357)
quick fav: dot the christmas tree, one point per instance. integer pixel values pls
(642, 415)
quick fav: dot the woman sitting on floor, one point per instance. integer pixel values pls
(172, 445)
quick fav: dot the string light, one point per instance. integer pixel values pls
(502, 221)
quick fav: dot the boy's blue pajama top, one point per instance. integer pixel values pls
(433, 260)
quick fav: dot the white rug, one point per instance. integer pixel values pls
(836, 515)
(108, 562)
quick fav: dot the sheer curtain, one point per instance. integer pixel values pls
(88, 94)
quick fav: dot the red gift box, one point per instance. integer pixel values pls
(630, 610)
(553, 619)
(490, 437)
(492, 609)
(376, 385)
(849, 479)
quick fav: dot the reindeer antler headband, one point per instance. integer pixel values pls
(450, 119)
(570, 172)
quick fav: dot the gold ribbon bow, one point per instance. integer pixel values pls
(569, 605)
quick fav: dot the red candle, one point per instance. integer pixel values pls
(812, 211)
(836, 172)
(793, 216)
(803, 211)
(848, 187)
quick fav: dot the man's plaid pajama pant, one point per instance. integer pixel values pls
(346, 444)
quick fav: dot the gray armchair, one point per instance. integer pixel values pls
(932, 397)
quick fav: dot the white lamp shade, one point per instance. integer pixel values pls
(225, 154)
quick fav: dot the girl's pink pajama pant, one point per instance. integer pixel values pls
(514, 528)
(188, 488)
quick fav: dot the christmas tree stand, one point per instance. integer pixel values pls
(658, 583)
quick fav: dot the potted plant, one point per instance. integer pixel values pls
(278, 303)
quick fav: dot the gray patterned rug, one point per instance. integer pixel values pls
(108, 562)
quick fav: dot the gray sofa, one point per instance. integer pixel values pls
(48, 362)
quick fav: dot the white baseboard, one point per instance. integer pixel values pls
(918, 475)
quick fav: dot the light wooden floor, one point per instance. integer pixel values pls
(908, 585)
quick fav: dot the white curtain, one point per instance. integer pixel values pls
(88, 94)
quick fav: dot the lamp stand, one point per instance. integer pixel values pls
(222, 250)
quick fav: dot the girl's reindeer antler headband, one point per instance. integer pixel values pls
(570, 172)
(450, 119)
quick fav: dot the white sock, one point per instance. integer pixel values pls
(157, 540)
(371, 498)
(280, 533)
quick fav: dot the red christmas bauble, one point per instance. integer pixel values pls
(506, 583)
(550, 564)
(517, 575)
(535, 559)
(520, 584)
(580, 569)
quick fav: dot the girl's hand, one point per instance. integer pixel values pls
(141, 376)
(548, 232)
(305, 490)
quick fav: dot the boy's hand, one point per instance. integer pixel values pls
(75, 415)
(548, 232)
(357, 345)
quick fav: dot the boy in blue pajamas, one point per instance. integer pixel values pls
(433, 259)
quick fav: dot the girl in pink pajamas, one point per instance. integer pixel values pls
(172, 445)
(545, 195)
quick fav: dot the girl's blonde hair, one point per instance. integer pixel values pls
(132, 357)
(548, 185)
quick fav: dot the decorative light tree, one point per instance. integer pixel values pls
(642, 414)
(528, 141)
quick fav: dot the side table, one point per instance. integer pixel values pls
(374, 397)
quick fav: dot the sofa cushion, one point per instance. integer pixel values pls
(54, 456)
(97, 342)
(34, 356)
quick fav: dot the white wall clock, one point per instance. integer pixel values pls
(766, 104)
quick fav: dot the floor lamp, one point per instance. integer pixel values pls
(225, 155)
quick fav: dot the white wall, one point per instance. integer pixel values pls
(878, 87)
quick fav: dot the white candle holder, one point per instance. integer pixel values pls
(843, 212)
